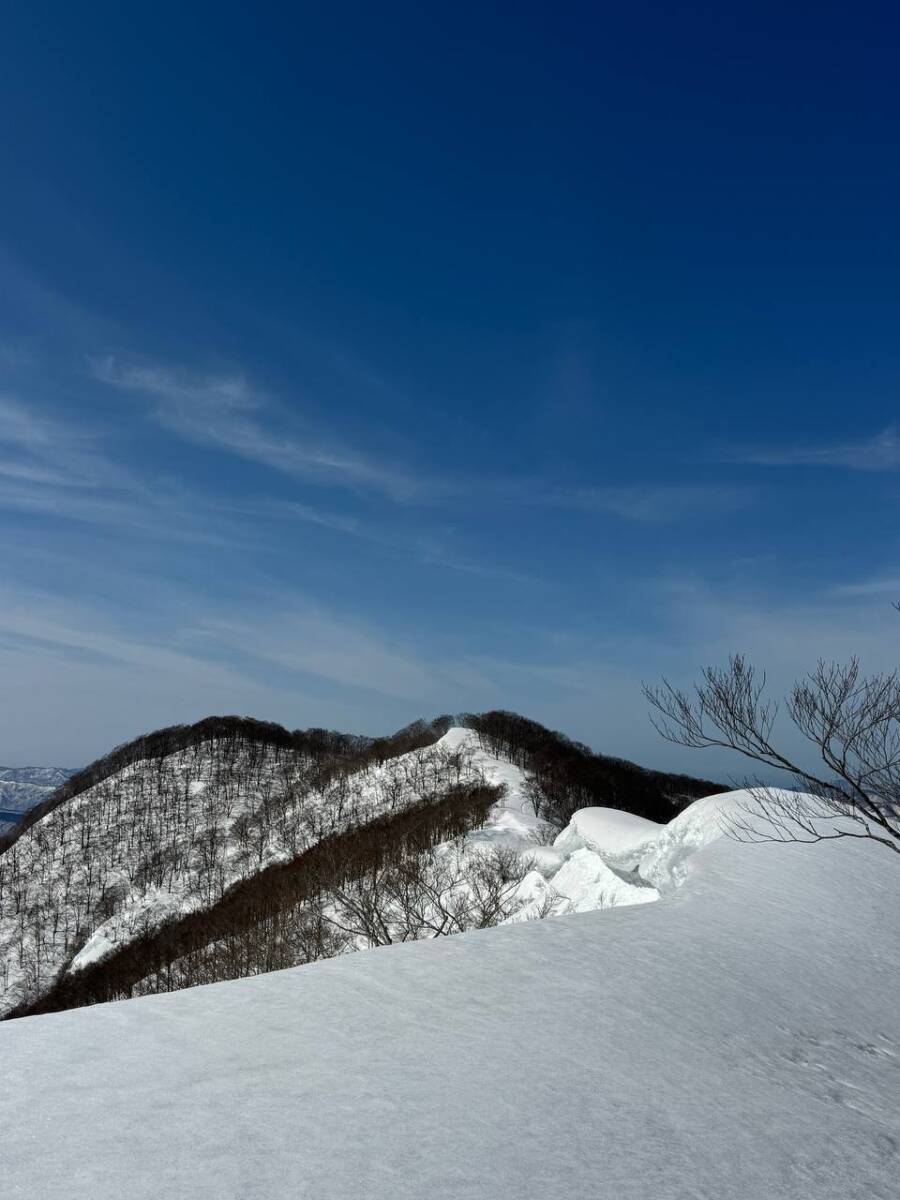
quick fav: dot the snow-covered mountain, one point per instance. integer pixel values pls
(735, 1039)
(231, 848)
(21, 788)
(169, 836)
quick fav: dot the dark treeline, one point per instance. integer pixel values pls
(245, 927)
(328, 747)
(568, 776)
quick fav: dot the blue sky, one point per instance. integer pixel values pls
(375, 362)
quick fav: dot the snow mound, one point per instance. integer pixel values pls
(657, 856)
(606, 857)
(622, 837)
(664, 863)
(739, 1043)
(584, 882)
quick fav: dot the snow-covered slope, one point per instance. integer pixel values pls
(569, 874)
(169, 836)
(736, 1040)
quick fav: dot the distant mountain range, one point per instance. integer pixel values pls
(21, 788)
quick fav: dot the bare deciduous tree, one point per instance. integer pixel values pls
(852, 720)
(445, 890)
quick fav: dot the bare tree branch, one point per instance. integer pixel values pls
(852, 720)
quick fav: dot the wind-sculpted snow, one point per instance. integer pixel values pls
(564, 877)
(658, 856)
(736, 1040)
(622, 835)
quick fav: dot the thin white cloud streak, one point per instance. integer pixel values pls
(295, 510)
(34, 620)
(428, 551)
(55, 470)
(651, 503)
(275, 655)
(296, 665)
(43, 450)
(28, 473)
(434, 555)
(154, 518)
(879, 453)
(226, 413)
(312, 642)
(868, 587)
(296, 637)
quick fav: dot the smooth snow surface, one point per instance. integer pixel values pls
(737, 1040)
(619, 833)
(657, 855)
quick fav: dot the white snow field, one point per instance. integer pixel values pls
(736, 1040)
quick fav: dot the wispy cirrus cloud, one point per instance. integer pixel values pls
(61, 470)
(39, 449)
(652, 503)
(225, 412)
(228, 413)
(301, 665)
(641, 503)
(878, 453)
(37, 439)
(868, 587)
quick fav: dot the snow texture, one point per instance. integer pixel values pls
(736, 1040)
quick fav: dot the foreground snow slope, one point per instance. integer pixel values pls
(736, 1040)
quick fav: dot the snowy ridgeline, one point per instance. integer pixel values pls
(736, 1040)
(606, 857)
(167, 838)
(170, 836)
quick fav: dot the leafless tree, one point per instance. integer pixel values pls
(178, 830)
(445, 890)
(852, 720)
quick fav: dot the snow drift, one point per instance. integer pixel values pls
(736, 1040)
